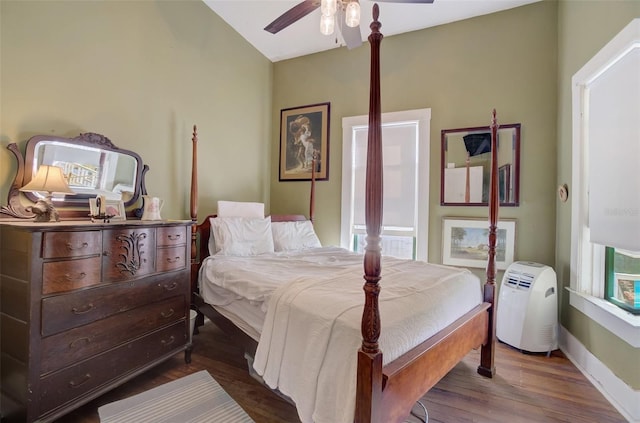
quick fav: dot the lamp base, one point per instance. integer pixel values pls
(44, 211)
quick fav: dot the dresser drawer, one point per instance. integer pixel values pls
(63, 312)
(77, 344)
(59, 388)
(129, 253)
(172, 235)
(171, 258)
(67, 275)
(71, 244)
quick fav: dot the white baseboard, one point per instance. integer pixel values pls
(625, 399)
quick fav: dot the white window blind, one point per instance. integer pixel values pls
(613, 133)
(399, 152)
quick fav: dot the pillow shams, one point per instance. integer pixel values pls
(235, 209)
(289, 236)
(241, 236)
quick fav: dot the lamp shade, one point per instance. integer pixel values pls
(327, 24)
(353, 14)
(48, 179)
(328, 7)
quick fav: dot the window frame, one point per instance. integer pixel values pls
(422, 117)
(587, 276)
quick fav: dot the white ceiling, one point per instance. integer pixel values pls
(249, 17)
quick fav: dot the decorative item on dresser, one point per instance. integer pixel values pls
(87, 306)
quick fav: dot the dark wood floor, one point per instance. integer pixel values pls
(527, 388)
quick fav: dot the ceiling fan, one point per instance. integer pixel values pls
(331, 9)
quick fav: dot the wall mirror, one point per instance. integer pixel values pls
(466, 163)
(91, 164)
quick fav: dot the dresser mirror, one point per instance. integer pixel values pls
(466, 162)
(91, 164)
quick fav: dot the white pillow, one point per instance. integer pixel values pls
(241, 236)
(235, 209)
(288, 236)
(240, 209)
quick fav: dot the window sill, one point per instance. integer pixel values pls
(619, 322)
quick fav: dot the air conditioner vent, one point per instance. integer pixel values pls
(520, 280)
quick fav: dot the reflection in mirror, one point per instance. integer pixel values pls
(466, 163)
(89, 170)
(92, 166)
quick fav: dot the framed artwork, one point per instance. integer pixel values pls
(465, 242)
(304, 140)
(114, 208)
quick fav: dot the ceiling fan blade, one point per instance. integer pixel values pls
(292, 15)
(351, 36)
(405, 1)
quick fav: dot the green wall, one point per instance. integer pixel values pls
(141, 73)
(519, 61)
(461, 71)
(582, 33)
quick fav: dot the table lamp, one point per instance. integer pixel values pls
(48, 180)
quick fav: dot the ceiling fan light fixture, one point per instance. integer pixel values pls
(327, 24)
(328, 7)
(352, 14)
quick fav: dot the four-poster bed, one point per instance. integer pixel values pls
(384, 391)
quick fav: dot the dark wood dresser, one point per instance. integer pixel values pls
(85, 307)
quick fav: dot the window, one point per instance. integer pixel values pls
(622, 279)
(605, 210)
(405, 146)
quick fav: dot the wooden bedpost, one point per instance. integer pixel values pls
(312, 196)
(487, 353)
(193, 209)
(369, 384)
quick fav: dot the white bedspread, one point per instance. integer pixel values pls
(311, 334)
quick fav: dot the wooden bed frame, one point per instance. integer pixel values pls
(387, 393)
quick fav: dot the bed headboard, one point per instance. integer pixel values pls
(200, 233)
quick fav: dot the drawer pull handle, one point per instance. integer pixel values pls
(72, 248)
(170, 287)
(168, 314)
(79, 276)
(84, 380)
(174, 237)
(173, 260)
(83, 310)
(171, 340)
(78, 340)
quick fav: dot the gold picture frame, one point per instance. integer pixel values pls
(304, 140)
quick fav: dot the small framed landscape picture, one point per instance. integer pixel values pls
(465, 242)
(114, 208)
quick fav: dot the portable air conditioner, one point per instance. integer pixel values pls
(527, 311)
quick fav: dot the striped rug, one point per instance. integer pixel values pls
(196, 398)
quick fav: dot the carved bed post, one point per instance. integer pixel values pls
(193, 209)
(312, 196)
(487, 353)
(369, 384)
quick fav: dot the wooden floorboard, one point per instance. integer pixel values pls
(527, 388)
